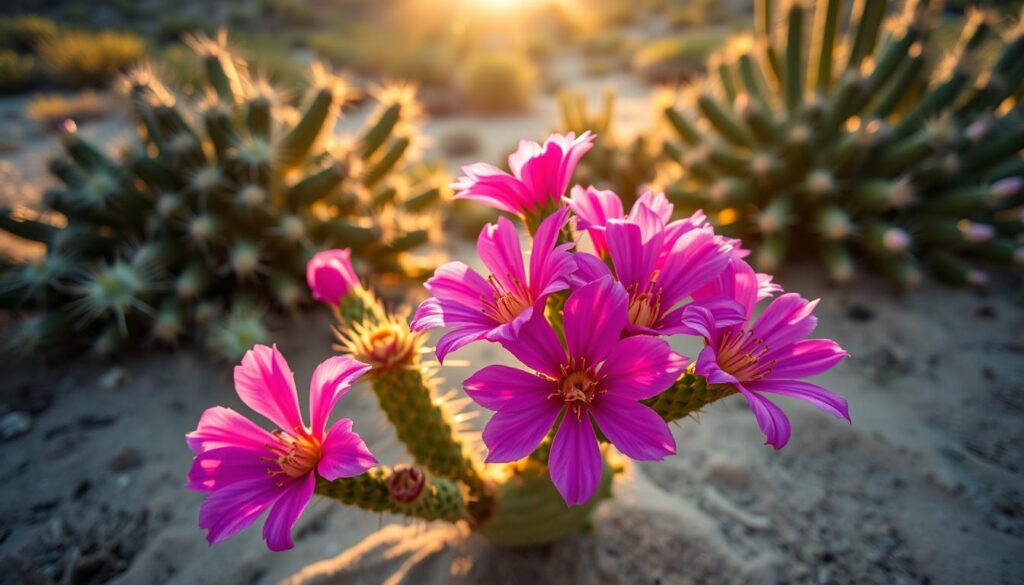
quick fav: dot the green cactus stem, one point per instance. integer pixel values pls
(438, 498)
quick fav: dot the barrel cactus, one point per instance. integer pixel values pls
(207, 221)
(849, 129)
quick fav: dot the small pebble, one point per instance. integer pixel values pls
(860, 313)
(128, 458)
(14, 425)
(114, 378)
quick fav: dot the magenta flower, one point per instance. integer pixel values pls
(330, 275)
(495, 308)
(594, 209)
(600, 378)
(769, 355)
(540, 175)
(247, 470)
(660, 278)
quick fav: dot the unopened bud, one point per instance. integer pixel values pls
(406, 484)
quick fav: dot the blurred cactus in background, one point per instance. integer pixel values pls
(858, 134)
(623, 166)
(230, 193)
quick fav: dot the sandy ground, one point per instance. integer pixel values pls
(924, 487)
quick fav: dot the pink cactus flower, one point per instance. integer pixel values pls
(598, 377)
(495, 308)
(247, 470)
(594, 209)
(768, 355)
(660, 279)
(540, 175)
(330, 275)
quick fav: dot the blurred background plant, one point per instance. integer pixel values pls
(870, 139)
(205, 222)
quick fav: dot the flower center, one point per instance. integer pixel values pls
(578, 385)
(504, 304)
(295, 455)
(382, 344)
(645, 304)
(741, 354)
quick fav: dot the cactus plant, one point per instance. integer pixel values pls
(226, 195)
(845, 127)
(601, 384)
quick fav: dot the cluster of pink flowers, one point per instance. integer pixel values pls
(648, 277)
(590, 366)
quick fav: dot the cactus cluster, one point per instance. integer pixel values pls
(623, 166)
(845, 132)
(209, 219)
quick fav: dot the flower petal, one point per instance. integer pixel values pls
(498, 247)
(805, 358)
(537, 346)
(588, 269)
(228, 511)
(575, 462)
(331, 380)
(222, 427)
(656, 202)
(640, 367)
(635, 430)
(458, 283)
(787, 319)
(595, 315)
(277, 530)
(634, 260)
(457, 339)
(824, 399)
(497, 387)
(344, 453)
(593, 208)
(773, 421)
(511, 435)
(702, 317)
(695, 259)
(738, 281)
(707, 366)
(266, 384)
(550, 265)
(493, 187)
(214, 469)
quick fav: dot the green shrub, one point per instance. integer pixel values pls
(676, 57)
(23, 33)
(17, 72)
(81, 58)
(498, 82)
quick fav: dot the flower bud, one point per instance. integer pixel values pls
(406, 484)
(330, 275)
